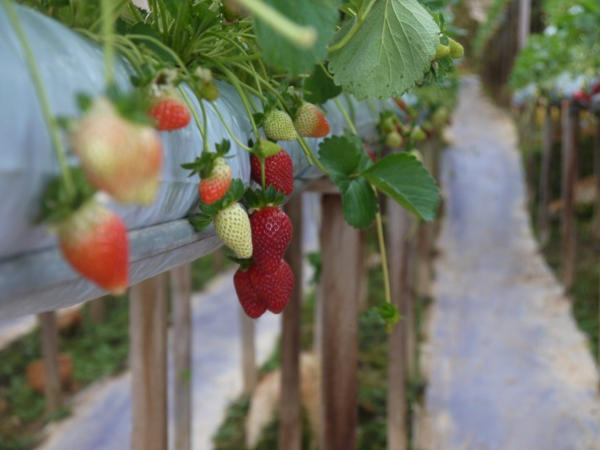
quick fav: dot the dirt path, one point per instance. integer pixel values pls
(506, 366)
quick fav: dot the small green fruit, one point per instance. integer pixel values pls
(394, 140)
(441, 51)
(417, 134)
(456, 50)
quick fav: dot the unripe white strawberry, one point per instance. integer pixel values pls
(233, 228)
(279, 126)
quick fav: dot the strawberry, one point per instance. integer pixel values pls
(278, 126)
(271, 235)
(456, 49)
(215, 186)
(279, 172)
(253, 306)
(169, 111)
(581, 96)
(94, 241)
(233, 228)
(441, 51)
(273, 287)
(118, 156)
(310, 121)
(394, 140)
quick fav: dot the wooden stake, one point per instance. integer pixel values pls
(49, 335)
(248, 352)
(524, 21)
(148, 360)
(181, 284)
(570, 117)
(547, 141)
(597, 176)
(98, 310)
(342, 268)
(290, 423)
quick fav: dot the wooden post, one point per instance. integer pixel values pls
(524, 21)
(570, 118)
(597, 176)
(249, 375)
(547, 141)
(148, 360)
(98, 310)
(398, 229)
(181, 284)
(290, 423)
(49, 335)
(342, 267)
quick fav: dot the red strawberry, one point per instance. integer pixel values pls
(273, 287)
(94, 241)
(581, 96)
(279, 172)
(271, 235)
(215, 186)
(170, 112)
(253, 306)
(310, 121)
(118, 156)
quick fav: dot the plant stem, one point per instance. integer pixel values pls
(238, 142)
(345, 115)
(382, 251)
(205, 126)
(302, 36)
(360, 18)
(107, 34)
(195, 115)
(61, 155)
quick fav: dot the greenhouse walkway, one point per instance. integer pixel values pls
(506, 366)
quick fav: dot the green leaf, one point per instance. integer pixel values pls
(390, 51)
(319, 87)
(345, 158)
(389, 314)
(402, 177)
(281, 53)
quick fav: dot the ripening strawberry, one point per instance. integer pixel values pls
(310, 121)
(279, 172)
(118, 156)
(253, 306)
(279, 126)
(169, 111)
(233, 228)
(94, 241)
(215, 186)
(271, 236)
(273, 287)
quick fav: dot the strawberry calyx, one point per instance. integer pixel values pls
(256, 199)
(244, 263)
(57, 201)
(265, 148)
(207, 213)
(204, 164)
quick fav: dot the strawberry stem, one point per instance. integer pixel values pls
(107, 34)
(384, 263)
(345, 115)
(190, 105)
(237, 141)
(43, 98)
(360, 18)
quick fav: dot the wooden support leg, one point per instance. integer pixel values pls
(181, 281)
(548, 138)
(597, 176)
(290, 423)
(248, 353)
(49, 335)
(98, 310)
(341, 271)
(570, 116)
(148, 360)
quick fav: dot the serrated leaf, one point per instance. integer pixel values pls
(345, 158)
(200, 221)
(319, 87)
(322, 15)
(389, 52)
(402, 177)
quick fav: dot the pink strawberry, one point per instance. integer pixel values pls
(279, 172)
(118, 156)
(215, 186)
(310, 121)
(253, 306)
(273, 287)
(271, 235)
(94, 241)
(169, 111)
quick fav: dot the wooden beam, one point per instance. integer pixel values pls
(181, 285)
(148, 360)
(98, 310)
(290, 417)
(342, 267)
(547, 141)
(597, 177)
(49, 336)
(249, 374)
(570, 118)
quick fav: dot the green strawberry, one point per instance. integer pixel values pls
(456, 50)
(441, 51)
(279, 126)
(233, 228)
